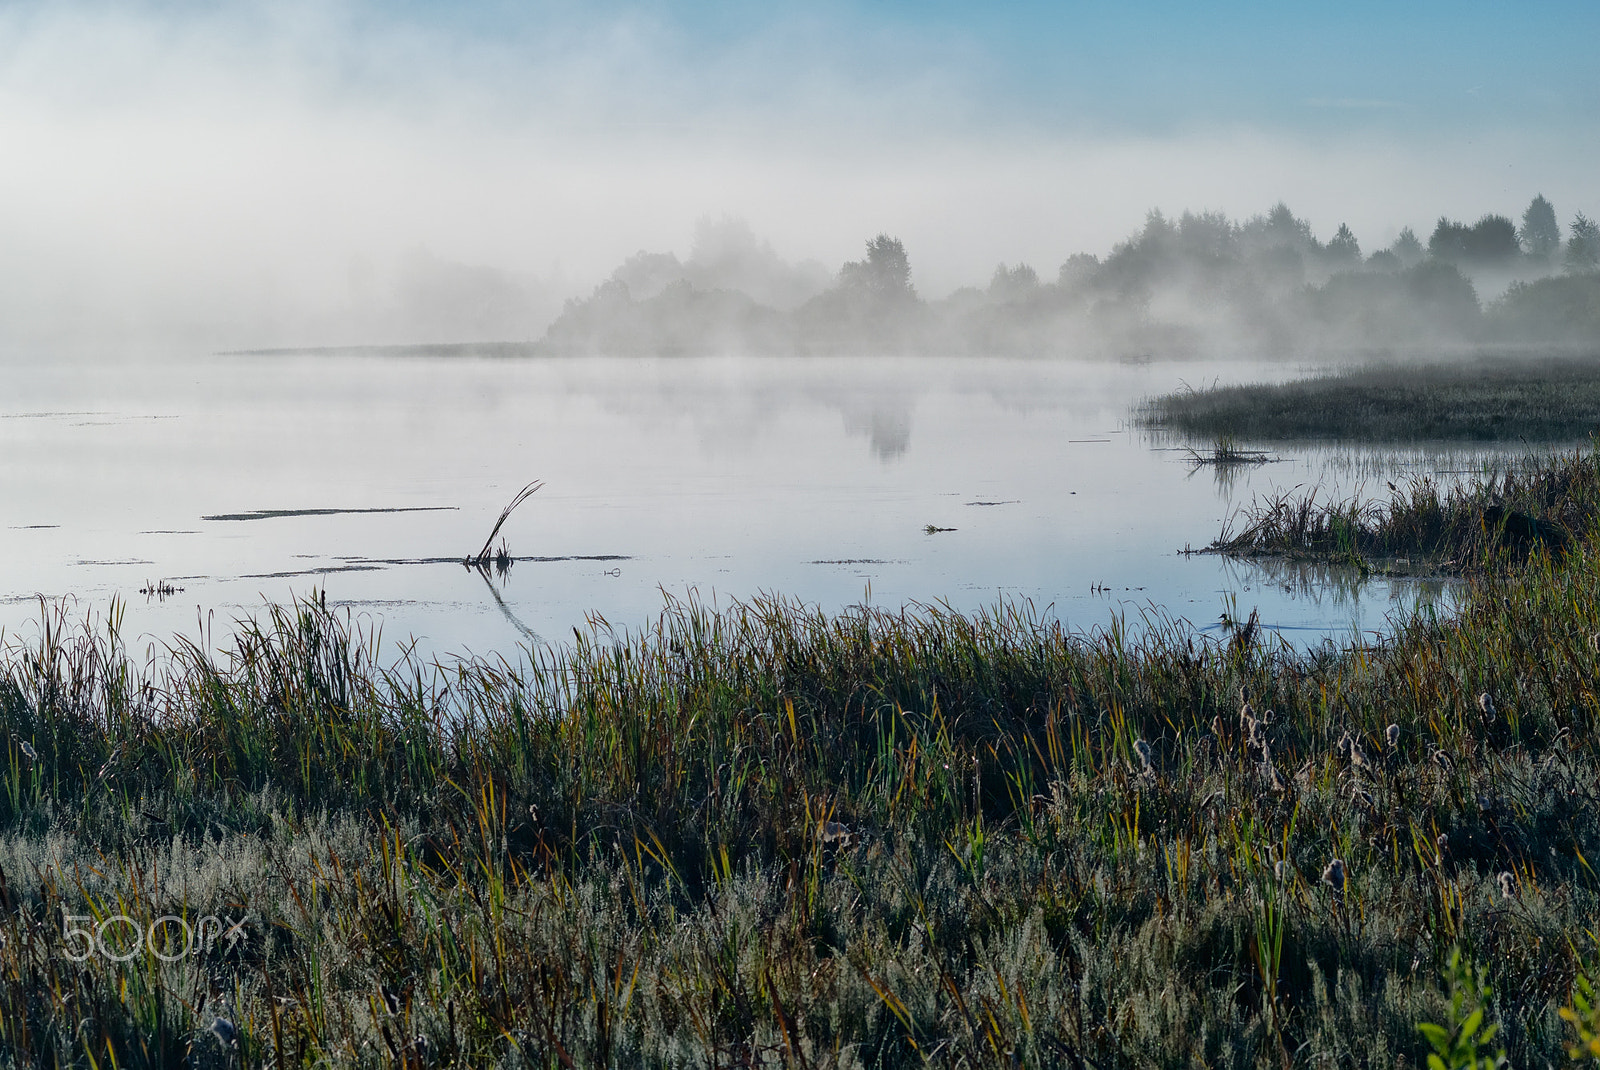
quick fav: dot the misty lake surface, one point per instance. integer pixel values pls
(244, 480)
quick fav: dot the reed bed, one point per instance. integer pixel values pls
(1503, 397)
(768, 836)
(1509, 511)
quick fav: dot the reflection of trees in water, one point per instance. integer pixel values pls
(886, 426)
(1339, 586)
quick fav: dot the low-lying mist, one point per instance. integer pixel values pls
(1198, 284)
(257, 175)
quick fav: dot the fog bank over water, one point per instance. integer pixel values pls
(310, 175)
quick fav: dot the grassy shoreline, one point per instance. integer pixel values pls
(1470, 400)
(768, 836)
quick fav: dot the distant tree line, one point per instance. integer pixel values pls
(1192, 283)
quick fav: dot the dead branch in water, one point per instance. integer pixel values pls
(483, 557)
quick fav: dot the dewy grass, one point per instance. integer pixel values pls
(770, 836)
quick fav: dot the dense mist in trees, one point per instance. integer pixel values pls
(1197, 283)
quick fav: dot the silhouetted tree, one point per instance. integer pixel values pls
(1494, 239)
(1491, 240)
(1540, 233)
(885, 275)
(1135, 265)
(1343, 249)
(1008, 284)
(1583, 248)
(1407, 248)
(1079, 269)
(1207, 239)
(1554, 308)
(1439, 289)
(1282, 222)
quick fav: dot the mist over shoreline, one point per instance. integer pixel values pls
(1194, 285)
(254, 175)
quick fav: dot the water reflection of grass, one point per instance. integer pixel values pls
(769, 836)
(1325, 583)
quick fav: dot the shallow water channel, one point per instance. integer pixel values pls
(242, 480)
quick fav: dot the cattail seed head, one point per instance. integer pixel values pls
(1391, 736)
(27, 750)
(1219, 728)
(1350, 747)
(1486, 704)
(1333, 876)
(1508, 886)
(1142, 749)
(1256, 738)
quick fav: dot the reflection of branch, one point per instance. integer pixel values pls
(527, 632)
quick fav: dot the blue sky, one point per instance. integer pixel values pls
(252, 158)
(1134, 68)
(1143, 67)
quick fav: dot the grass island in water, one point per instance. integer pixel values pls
(1487, 399)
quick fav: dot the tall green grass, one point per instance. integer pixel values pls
(771, 836)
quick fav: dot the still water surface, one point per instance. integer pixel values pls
(246, 480)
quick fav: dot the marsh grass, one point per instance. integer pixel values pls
(1483, 400)
(1537, 503)
(767, 836)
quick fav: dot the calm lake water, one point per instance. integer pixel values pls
(813, 478)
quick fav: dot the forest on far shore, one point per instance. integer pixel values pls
(1194, 284)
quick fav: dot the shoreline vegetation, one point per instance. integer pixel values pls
(1477, 399)
(768, 836)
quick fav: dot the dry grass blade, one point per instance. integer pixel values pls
(482, 557)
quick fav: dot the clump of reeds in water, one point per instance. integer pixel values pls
(1534, 504)
(1225, 453)
(769, 835)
